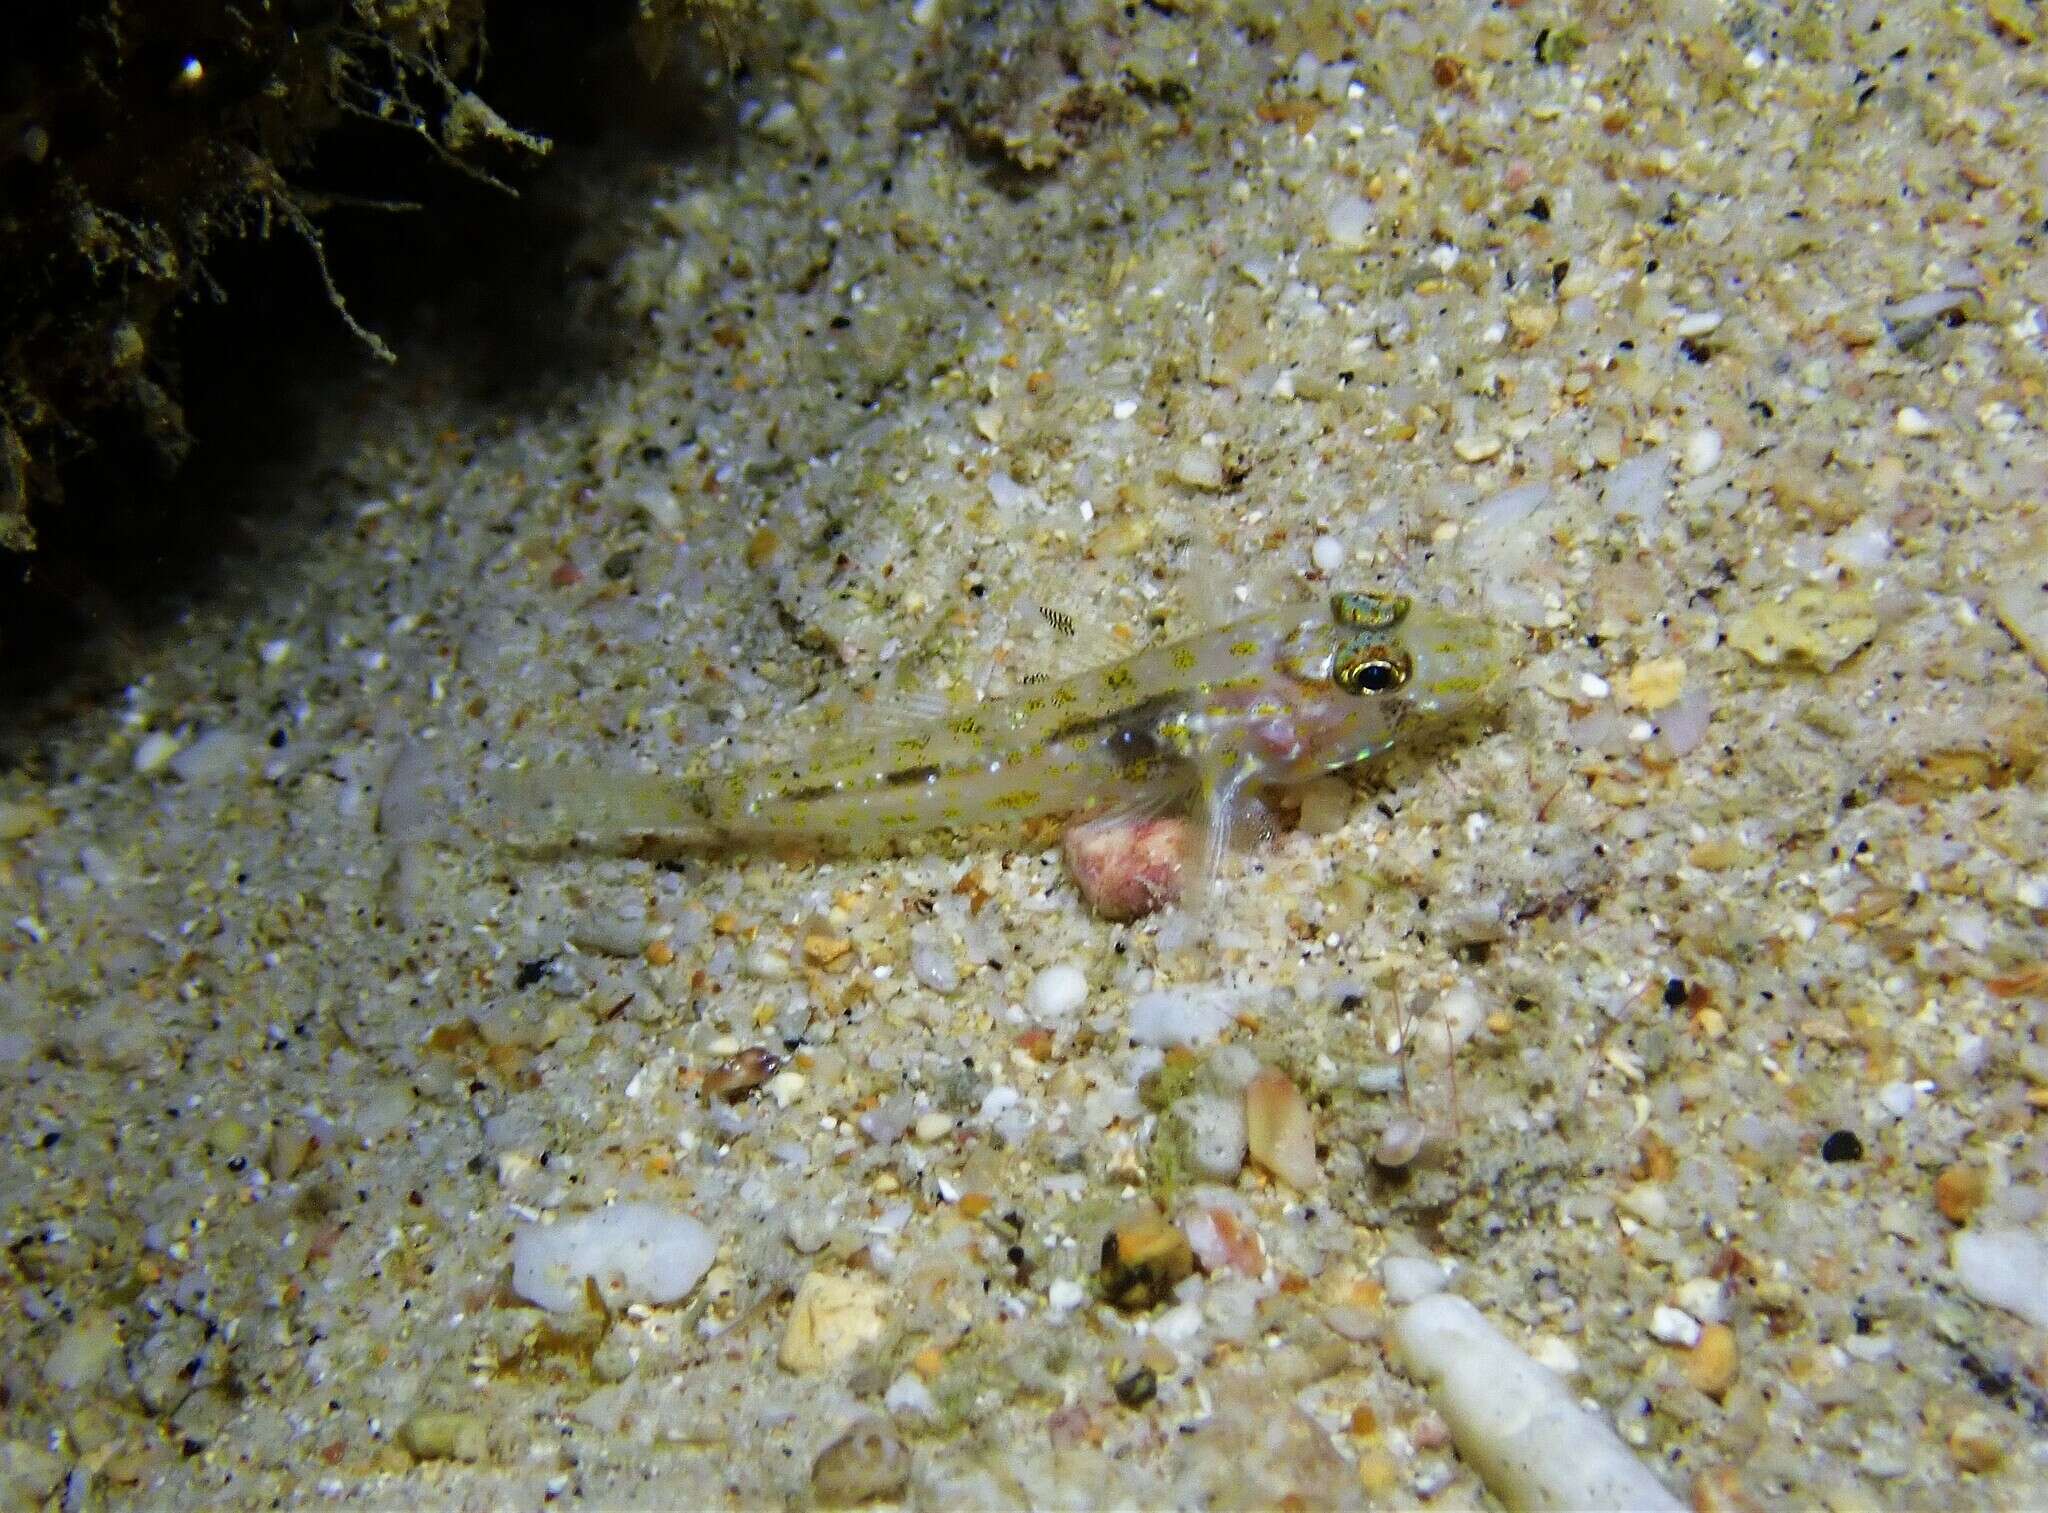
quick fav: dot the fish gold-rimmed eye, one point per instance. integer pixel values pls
(1373, 667)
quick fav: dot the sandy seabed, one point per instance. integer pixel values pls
(1702, 347)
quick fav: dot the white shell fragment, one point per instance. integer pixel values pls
(2021, 603)
(1674, 1326)
(1280, 1130)
(2007, 1268)
(833, 1315)
(1513, 1420)
(635, 1252)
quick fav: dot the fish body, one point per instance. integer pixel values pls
(1275, 697)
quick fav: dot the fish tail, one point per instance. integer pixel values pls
(552, 808)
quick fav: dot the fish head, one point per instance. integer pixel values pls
(1376, 662)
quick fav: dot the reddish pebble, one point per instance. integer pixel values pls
(568, 575)
(1430, 1432)
(1127, 870)
(1071, 1427)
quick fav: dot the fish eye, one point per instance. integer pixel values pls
(1373, 668)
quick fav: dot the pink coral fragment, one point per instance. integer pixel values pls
(1127, 869)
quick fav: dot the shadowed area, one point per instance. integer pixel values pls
(477, 287)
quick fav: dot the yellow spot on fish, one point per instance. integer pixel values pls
(1245, 648)
(1119, 678)
(1183, 658)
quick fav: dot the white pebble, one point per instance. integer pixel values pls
(1409, 1278)
(807, 1229)
(2007, 1268)
(155, 753)
(1124, 409)
(217, 754)
(1166, 1019)
(1638, 486)
(1064, 1295)
(1898, 1098)
(1446, 1026)
(1674, 1326)
(660, 505)
(635, 1252)
(766, 963)
(1400, 1142)
(1915, 422)
(909, 1397)
(1009, 494)
(1327, 554)
(1348, 220)
(1178, 1324)
(1647, 1201)
(1216, 1134)
(782, 123)
(1864, 545)
(1702, 450)
(1514, 1422)
(1199, 468)
(1593, 686)
(933, 966)
(933, 1126)
(1056, 992)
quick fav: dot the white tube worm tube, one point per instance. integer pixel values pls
(1514, 1421)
